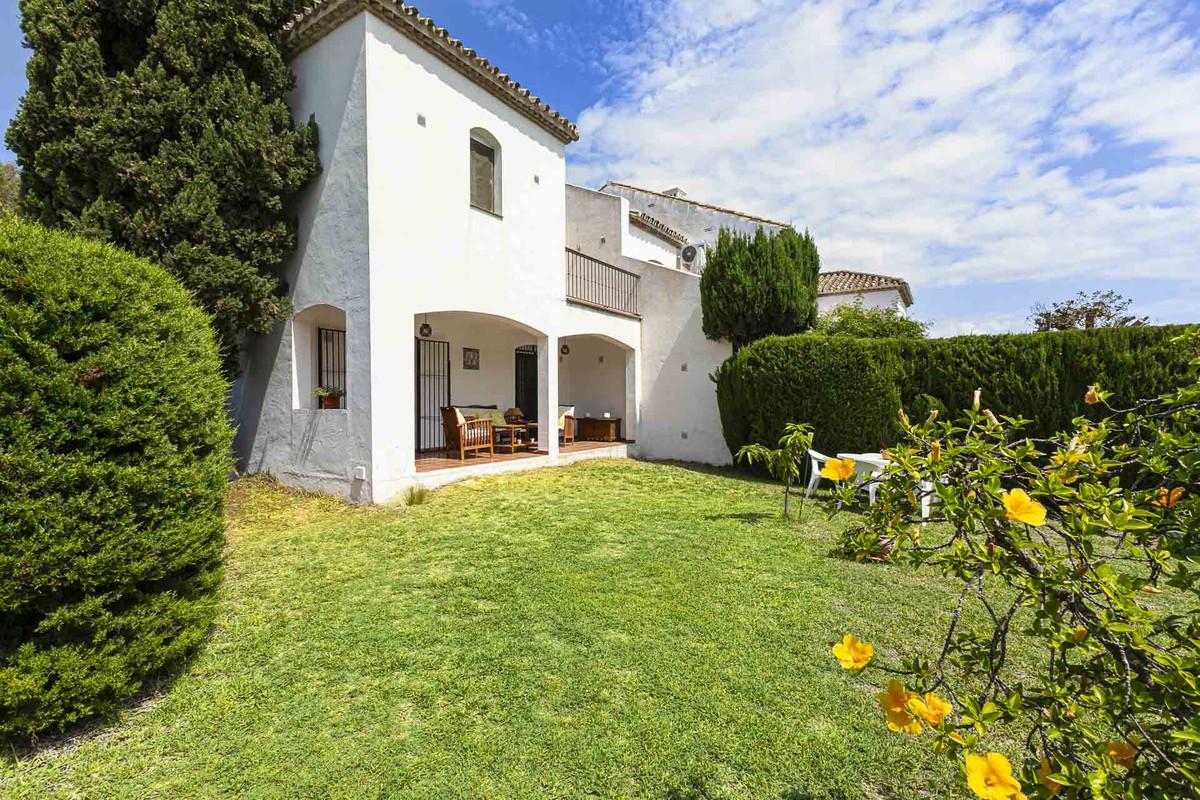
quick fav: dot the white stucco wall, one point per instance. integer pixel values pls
(320, 449)
(429, 249)
(677, 400)
(591, 377)
(884, 298)
(645, 246)
(598, 224)
(697, 222)
(680, 419)
(595, 223)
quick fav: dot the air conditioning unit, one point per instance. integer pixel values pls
(692, 257)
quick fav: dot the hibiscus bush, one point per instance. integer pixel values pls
(1086, 547)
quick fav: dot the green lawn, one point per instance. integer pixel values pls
(609, 629)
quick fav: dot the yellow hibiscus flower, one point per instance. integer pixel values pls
(894, 702)
(932, 709)
(1023, 508)
(838, 469)
(991, 777)
(1121, 752)
(853, 653)
(1093, 396)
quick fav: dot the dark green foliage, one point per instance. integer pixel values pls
(114, 455)
(920, 407)
(10, 186)
(849, 390)
(757, 286)
(869, 323)
(160, 125)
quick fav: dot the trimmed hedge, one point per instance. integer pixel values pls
(114, 457)
(850, 389)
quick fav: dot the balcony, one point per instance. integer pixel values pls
(593, 283)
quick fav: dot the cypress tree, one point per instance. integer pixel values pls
(761, 285)
(161, 125)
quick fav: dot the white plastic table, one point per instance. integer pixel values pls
(867, 467)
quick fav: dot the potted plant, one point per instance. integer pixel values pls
(329, 397)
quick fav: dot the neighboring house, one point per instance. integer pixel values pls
(842, 287)
(443, 261)
(697, 223)
(673, 216)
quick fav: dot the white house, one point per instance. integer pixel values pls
(840, 287)
(443, 263)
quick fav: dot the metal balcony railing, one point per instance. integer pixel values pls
(594, 283)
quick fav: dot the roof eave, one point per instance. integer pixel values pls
(903, 289)
(750, 217)
(664, 233)
(323, 16)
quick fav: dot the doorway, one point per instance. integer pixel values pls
(433, 392)
(527, 381)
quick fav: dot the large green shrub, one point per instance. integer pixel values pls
(849, 390)
(1043, 376)
(846, 389)
(114, 455)
(755, 286)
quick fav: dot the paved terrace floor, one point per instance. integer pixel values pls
(440, 459)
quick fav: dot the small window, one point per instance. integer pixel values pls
(485, 171)
(331, 367)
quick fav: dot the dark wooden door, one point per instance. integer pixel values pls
(527, 381)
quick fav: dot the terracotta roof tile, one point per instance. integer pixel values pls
(845, 281)
(649, 223)
(695, 203)
(321, 17)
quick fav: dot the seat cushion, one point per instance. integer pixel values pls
(563, 413)
(483, 412)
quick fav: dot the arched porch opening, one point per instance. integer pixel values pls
(468, 361)
(597, 382)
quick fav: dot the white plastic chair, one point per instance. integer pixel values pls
(815, 462)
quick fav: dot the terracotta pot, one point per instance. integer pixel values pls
(330, 401)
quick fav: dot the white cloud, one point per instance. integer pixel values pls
(961, 326)
(906, 126)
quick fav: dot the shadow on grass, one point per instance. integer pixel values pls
(735, 472)
(697, 788)
(746, 517)
(154, 689)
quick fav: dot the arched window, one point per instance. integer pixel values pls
(319, 363)
(485, 171)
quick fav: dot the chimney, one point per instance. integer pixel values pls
(675, 191)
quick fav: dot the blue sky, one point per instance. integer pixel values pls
(995, 154)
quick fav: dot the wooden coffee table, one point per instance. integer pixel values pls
(516, 435)
(598, 429)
